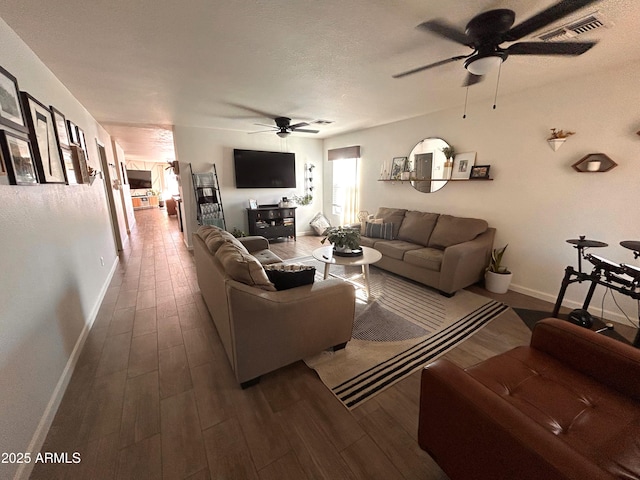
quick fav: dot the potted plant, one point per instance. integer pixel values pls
(449, 152)
(344, 239)
(558, 137)
(497, 278)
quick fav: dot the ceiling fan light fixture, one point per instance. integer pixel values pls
(483, 65)
(283, 133)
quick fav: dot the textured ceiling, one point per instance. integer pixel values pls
(227, 64)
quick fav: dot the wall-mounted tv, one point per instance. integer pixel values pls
(256, 169)
(139, 179)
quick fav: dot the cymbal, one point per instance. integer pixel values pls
(583, 242)
(631, 245)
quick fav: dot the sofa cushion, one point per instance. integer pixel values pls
(417, 227)
(266, 257)
(285, 277)
(367, 241)
(233, 240)
(379, 230)
(395, 248)
(391, 215)
(243, 267)
(319, 223)
(451, 230)
(429, 258)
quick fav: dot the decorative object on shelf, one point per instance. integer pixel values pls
(80, 166)
(449, 153)
(480, 171)
(594, 162)
(397, 167)
(557, 138)
(497, 278)
(462, 164)
(344, 239)
(253, 203)
(11, 113)
(60, 127)
(19, 163)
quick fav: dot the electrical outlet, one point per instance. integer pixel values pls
(102, 261)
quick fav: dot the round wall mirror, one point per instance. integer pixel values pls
(430, 170)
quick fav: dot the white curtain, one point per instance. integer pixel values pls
(345, 201)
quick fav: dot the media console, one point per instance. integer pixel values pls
(272, 222)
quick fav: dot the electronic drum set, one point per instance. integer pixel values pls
(620, 277)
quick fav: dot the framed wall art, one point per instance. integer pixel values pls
(44, 141)
(60, 125)
(18, 159)
(80, 164)
(67, 158)
(73, 132)
(462, 164)
(480, 171)
(11, 113)
(397, 167)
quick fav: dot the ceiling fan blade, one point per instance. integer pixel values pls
(447, 31)
(305, 130)
(544, 18)
(431, 65)
(552, 48)
(301, 124)
(263, 131)
(265, 125)
(472, 79)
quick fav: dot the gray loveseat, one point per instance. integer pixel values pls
(263, 329)
(441, 251)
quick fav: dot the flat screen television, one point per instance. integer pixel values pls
(257, 169)
(139, 179)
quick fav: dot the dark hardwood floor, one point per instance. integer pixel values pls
(153, 395)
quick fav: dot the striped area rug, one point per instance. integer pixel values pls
(403, 327)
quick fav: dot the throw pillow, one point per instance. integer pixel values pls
(243, 267)
(285, 277)
(379, 230)
(319, 223)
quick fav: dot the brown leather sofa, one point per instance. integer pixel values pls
(565, 407)
(263, 329)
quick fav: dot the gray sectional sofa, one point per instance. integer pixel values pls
(442, 251)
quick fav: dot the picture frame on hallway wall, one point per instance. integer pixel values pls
(397, 168)
(73, 132)
(11, 113)
(60, 126)
(17, 157)
(44, 142)
(462, 164)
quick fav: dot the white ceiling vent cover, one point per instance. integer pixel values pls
(571, 30)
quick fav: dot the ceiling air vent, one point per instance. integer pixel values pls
(571, 30)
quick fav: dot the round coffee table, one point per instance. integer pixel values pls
(369, 256)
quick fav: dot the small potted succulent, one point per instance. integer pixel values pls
(497, 277)
(344, 239)
(449, 152)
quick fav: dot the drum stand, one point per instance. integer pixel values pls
(604, 273)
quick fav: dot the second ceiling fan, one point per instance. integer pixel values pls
(283, 127)
(486, 31)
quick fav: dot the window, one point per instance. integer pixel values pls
(344, 201)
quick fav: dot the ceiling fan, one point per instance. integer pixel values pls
(486, 31)
(283, 127)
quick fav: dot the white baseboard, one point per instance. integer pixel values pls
(39, 436)
(608, 314)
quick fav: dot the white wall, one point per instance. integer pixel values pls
(52, 282)
(537, 201)
(203, 147)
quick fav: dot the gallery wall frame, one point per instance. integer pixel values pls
(80, 164)
(11, 111)
(17, 156)
(44, 141)
(60, 126)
